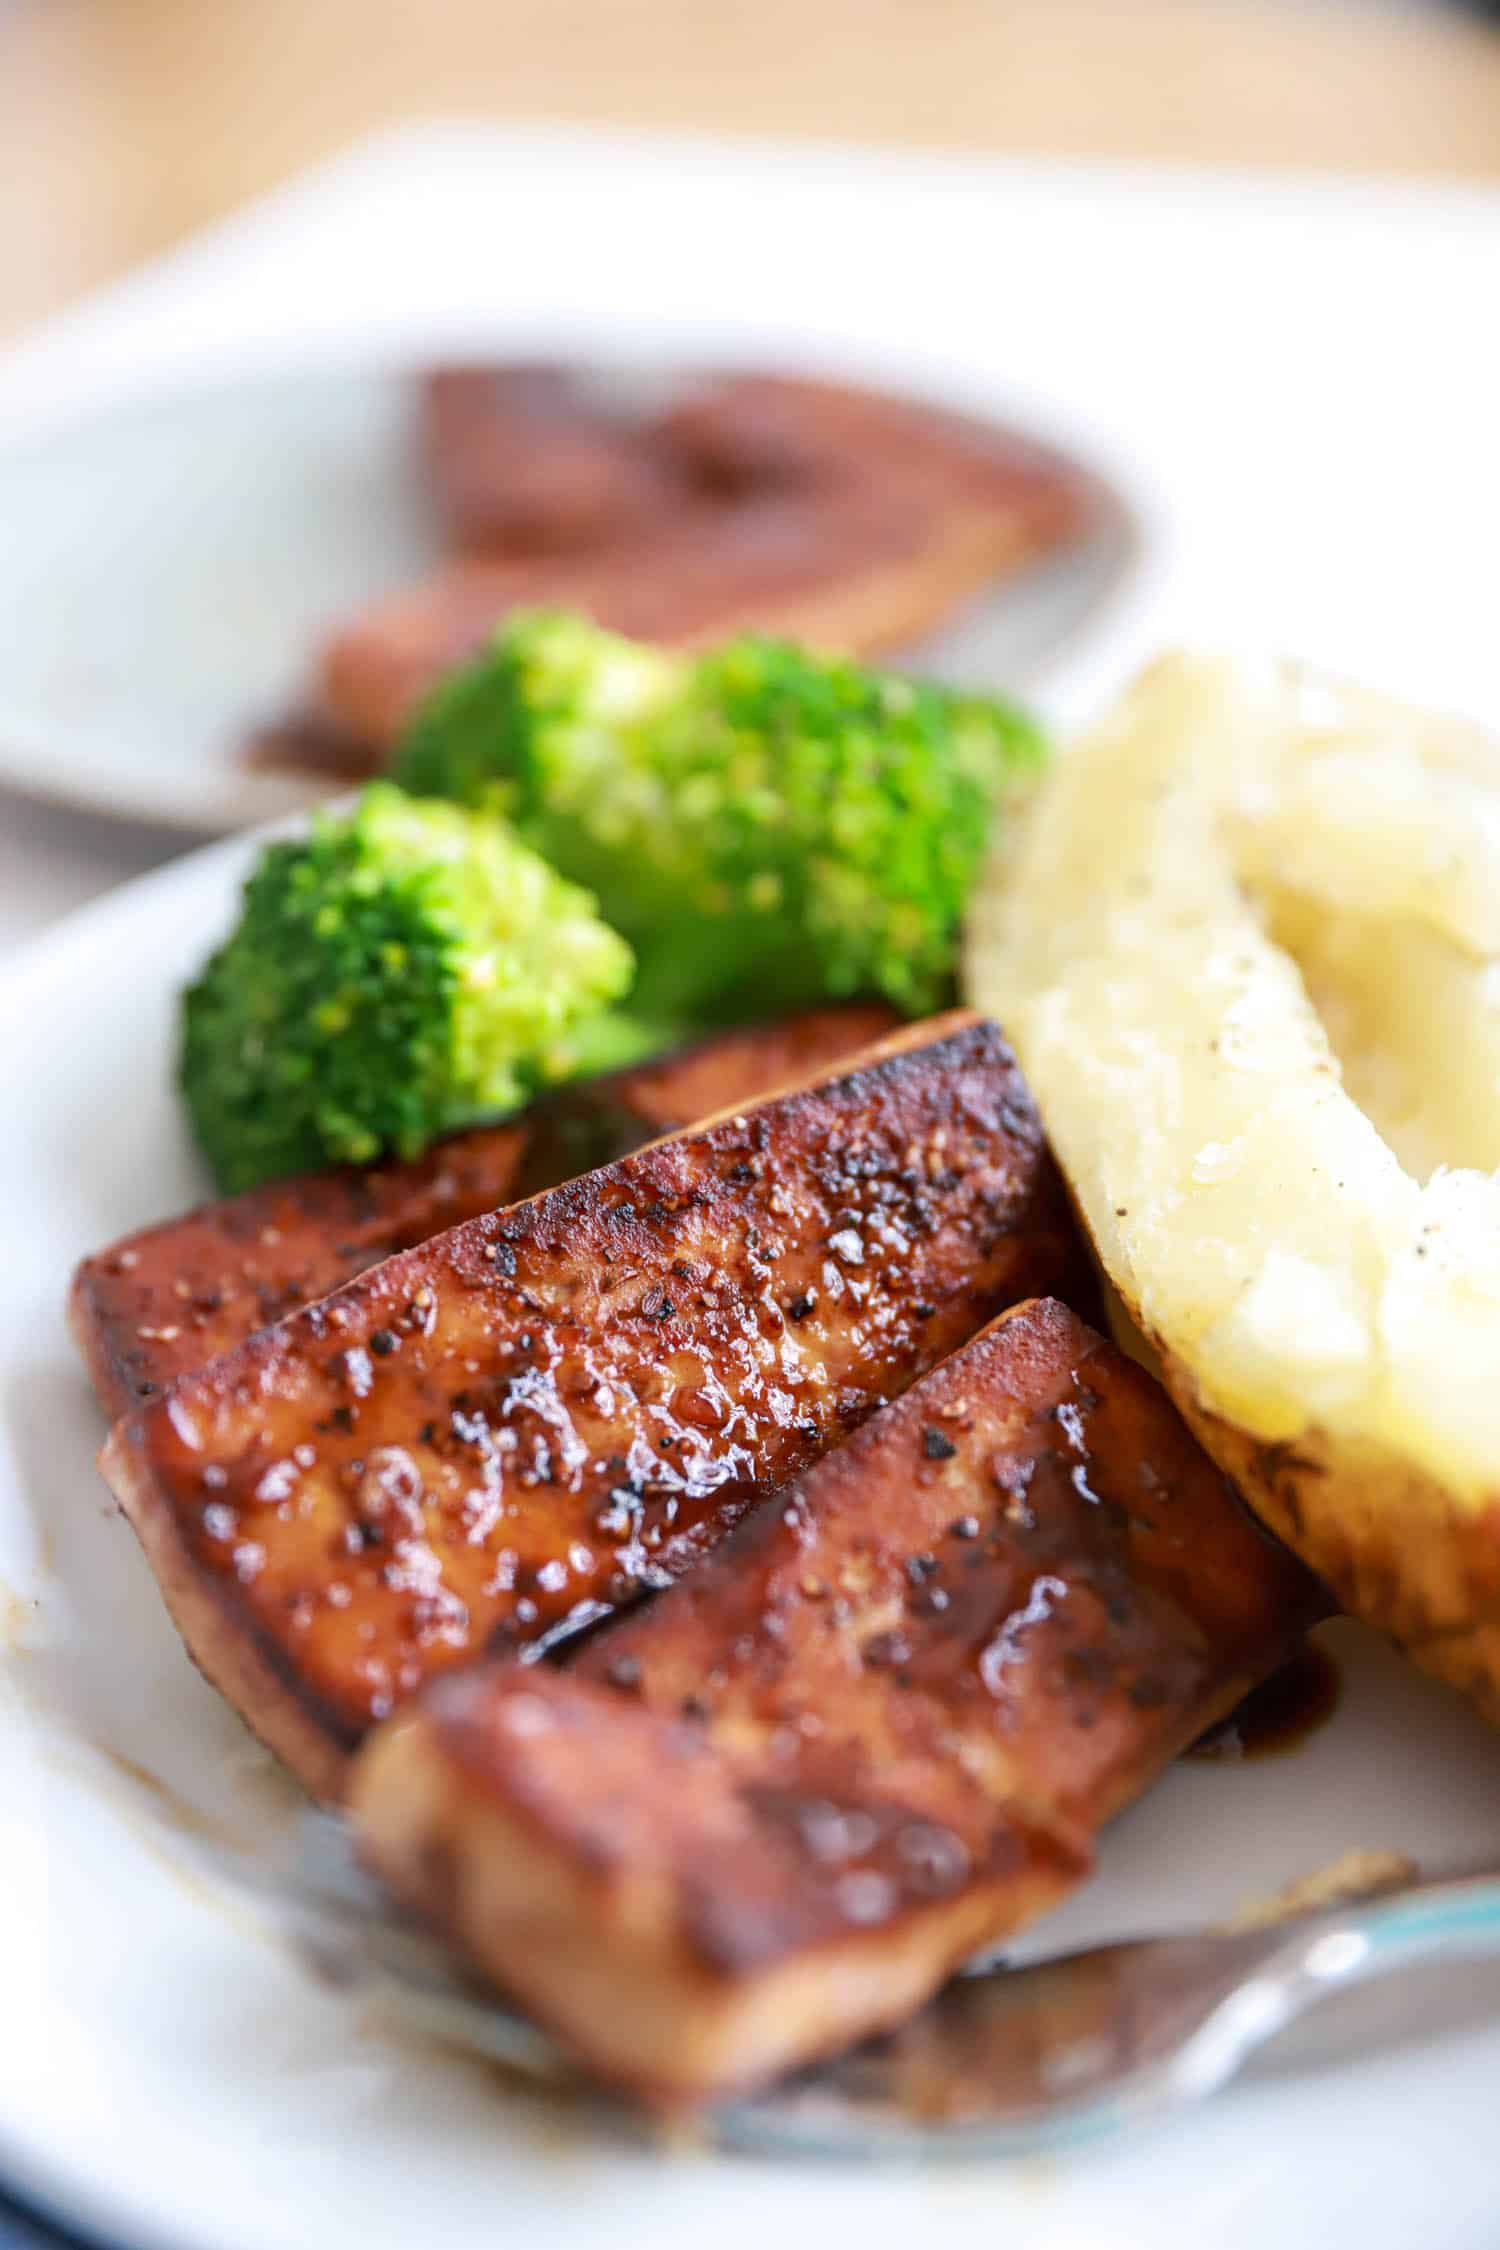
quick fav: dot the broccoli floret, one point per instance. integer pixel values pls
(401, 970)
(765, 825)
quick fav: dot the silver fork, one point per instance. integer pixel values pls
(1004, 2060)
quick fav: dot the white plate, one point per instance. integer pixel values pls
(166, 570)
(169, 567)
(1257, 347)
(165, 2075)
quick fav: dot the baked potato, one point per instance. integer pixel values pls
(1247, 946)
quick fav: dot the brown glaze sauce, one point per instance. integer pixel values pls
(304, 743)
(550, 1410)
(1280, 1714)
(168, 1298)
(842, 517)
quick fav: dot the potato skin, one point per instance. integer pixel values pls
(1246, 943)
(1391, 1545)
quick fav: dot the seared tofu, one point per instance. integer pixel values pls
(496, 1439)
(525, 458)
(171, 1297)
(879, 1728)
(756, 503)
(865, 567)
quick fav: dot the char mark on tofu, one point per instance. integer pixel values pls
(878, 1728)
(168, 1298)
(494, 1440)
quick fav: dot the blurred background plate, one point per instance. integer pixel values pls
(168, 567)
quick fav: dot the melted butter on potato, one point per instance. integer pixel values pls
(1247, 946)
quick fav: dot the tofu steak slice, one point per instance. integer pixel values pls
(877, 1729)
(169, 1297)
(496, 1439)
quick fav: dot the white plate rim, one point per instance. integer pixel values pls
(45, 764)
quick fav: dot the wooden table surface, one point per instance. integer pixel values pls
(124, 124)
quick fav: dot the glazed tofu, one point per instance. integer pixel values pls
(524, 457)
(864, 567)
(169, 1297)
(500, 1437)
(878, 1728)
(756, 503)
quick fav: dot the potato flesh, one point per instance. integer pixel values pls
(1262, 1223)
(1408, 1017)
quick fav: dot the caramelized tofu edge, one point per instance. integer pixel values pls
(879, 1727)
(167, 1298)
(247, 1572)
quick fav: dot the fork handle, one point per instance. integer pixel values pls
(1458, 1914)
